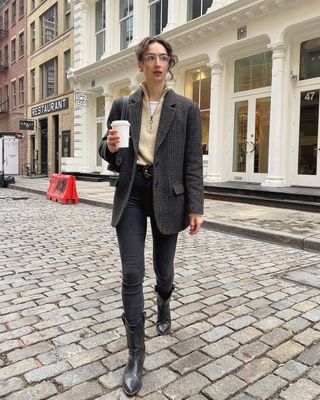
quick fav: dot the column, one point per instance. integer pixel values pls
(110, 39)
(108, 98)
(83, 48)
(173, 11)
(215, 143)
(140, 13)
(82, 137)
(275, 176)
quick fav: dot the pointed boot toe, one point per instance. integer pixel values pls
(163, 325)
(131, 383)
(132, 376)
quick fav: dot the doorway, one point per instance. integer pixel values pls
(307, 148)
(56, 143)
(251, 138)
(44, 146)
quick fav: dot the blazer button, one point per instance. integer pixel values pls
(157, 184)
(157, 164)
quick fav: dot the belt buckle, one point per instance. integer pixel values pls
(146, 173)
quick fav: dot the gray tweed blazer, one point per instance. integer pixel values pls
(177, 169)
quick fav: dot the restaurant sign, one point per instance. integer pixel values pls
(47, 108)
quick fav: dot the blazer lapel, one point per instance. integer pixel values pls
(135, 112)
(167, 114)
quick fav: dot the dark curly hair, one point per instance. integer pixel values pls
(143, 47)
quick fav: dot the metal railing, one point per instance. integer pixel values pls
(35, 170)
(3, 33)
(4, 64)
(4, 106)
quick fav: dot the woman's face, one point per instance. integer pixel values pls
(155, 63)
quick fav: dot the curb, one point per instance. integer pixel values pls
(82, 200)
(265, 235)
(308, 243)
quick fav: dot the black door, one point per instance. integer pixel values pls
(44, 146)
(56, 143)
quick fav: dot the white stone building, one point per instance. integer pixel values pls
(253, 66)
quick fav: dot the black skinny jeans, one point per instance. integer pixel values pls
(131, 233)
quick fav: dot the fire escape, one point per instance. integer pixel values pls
(3, 64)
(4, 106)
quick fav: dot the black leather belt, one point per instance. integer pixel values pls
(145, 170)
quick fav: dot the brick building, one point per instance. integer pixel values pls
(12, 69)
(50, 96)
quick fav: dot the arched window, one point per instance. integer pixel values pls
(310, 59)
(253, 72)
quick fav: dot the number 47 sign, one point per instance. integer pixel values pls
(312, 94)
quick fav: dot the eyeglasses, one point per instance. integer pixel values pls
(152, 58)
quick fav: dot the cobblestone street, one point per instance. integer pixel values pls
(245, 326)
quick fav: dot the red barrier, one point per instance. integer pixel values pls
(63, 189)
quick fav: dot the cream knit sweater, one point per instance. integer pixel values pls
(149, 127)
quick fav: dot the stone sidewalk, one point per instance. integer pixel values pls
(246, 313)
(298, 229)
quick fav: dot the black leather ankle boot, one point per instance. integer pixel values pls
(163, 325)
(132, 376)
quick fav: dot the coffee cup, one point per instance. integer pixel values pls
(123, 128)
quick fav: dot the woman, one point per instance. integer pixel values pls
(160, 176)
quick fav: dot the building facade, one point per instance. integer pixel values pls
(50, 47)
(252, 66)
(13, 100)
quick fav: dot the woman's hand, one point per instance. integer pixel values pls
(113, 141)
(195, 223)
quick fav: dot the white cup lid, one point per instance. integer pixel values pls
(120, 122)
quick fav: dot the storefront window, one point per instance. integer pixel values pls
(308, 133)
(99, 137)
(100, 106)
(124, 91)
(198, 88)
(310, 59)
(240, 136)
(261, 143)
(253, 72)
(66, 144)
